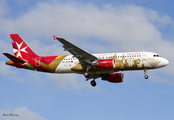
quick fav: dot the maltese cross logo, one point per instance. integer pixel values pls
(19, 50)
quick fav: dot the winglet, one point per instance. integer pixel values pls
(13, 58)
(55, 37)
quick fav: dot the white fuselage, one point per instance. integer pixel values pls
(128, 60)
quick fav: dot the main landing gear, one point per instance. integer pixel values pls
(86, 74)
(145, 72)
(93, 83)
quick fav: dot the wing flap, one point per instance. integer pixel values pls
(13, 58)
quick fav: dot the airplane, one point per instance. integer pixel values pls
(105, 66)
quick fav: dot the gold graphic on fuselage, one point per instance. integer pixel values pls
(153, 62)
(124, 62)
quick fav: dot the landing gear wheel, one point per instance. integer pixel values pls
(146, 76)
(86, 74)
(93, 83)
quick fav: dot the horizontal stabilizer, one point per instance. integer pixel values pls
(13, 58)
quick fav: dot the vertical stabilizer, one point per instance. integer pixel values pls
(20, 48)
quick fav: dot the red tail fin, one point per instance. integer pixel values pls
(20, 48)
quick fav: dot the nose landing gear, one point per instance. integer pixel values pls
(145, 72)
(146, 77)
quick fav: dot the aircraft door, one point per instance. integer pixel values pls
(37, 62)
(145, 58)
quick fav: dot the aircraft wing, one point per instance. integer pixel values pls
(76, 51)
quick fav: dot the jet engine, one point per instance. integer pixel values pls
(105, 64)
(114, 77)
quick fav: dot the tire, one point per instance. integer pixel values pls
(93, 83)
(146, 77)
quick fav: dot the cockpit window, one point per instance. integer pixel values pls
(156, 55)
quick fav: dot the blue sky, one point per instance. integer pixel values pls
(96, 26)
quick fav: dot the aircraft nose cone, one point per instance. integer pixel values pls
(165, 62)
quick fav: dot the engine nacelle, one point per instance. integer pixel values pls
(114, 77)
(106, 63)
